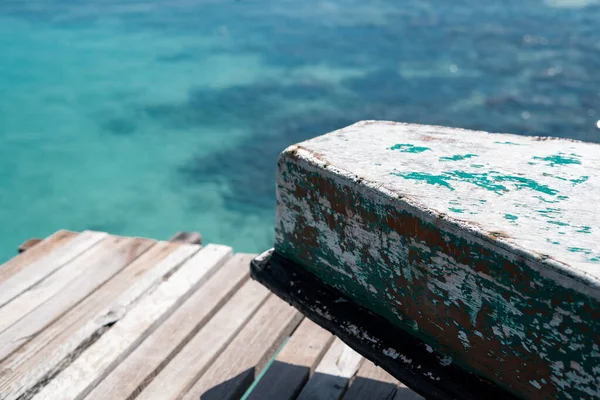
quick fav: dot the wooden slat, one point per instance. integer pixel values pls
(373, 383)
(195, 358)
(103, 261)
(34, 296)
(44, 266)
(44, 354)
(236, 368)
(29, 244)
(47, 246)
(138, 369)
(333, 373)
(98, 360)
(294, 364)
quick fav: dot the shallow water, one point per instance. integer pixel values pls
(144, 118)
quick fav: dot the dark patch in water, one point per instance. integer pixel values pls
(119, 126)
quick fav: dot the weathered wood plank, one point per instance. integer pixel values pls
(31, 298)
(482, 245)
(196, 357)
(46, 265)
(293, 365)
(236, 368)
(333, 373)
(372, 382)
(28, 244)
(187, 237)
(46, 353)
(102, 261)
(47, 246)
(135, 372)
(98, 360)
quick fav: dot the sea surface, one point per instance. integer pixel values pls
(146, 117)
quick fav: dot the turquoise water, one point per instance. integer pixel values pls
(146, 117)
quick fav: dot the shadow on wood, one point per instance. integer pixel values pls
(283, 381)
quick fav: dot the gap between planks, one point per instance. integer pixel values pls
(98, 360)
(45, 354)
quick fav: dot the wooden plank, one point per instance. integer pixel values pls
(333, 373)
(187, 237)
(46, 353)
(371, 382)
(404, 393)
(196, 357)
(236, 368)
(31, 298)
(294, 364)
(103, 261)
(484, 245)
(28, 244)
(44, 266)
(47, 246)
(139, 368)
(98, 360)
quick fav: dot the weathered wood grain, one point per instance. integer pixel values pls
(47, 246)
(293, 365)
(236, 368)
(483, 245)
(98, 360)
(47, 264)
(196, 357)
(28, 244)
(135, 372)
(333, 373)
(47, 352)
(102, 262)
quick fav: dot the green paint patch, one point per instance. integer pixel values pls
(511, 217)
(430, 179)
(585, 229)
(489, 181)
(559, 223)
(458, 157)
(526, 183)
(580, 180)
(456, 210)
(546, 200)
(482, 180)
(559, 159)
(511, 143)
(409, 148)
(378, 164)
(579, 250)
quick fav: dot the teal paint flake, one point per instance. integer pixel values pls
(482, 180)
(430, 179)
(559, 159)
(458, 157)
(522, 183)
(531, 163)
(483, 201)
(559, 223)
(378, 164)
(511, 143)
(477, 165)
(545, 200)
(409, 148)
(552, 241)
(456, 210)
(511, 217)
(585, 229)
(580, 180)
(555, 176)
(562, 197)
(579, 250)
(595, 259)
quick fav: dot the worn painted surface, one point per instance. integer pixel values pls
(484, 245)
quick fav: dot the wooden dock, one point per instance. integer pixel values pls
(95, 316)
